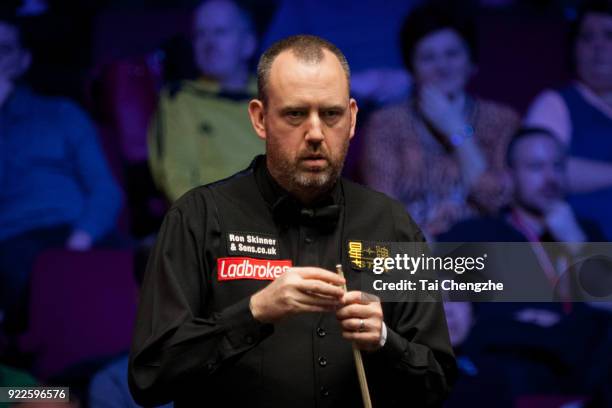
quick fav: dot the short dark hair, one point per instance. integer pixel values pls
(525, 133)
(431, 17)
(307, 48)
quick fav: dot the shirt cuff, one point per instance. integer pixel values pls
(245, 331)
(383, 335)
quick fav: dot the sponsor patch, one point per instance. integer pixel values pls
(252, 244)
(233, 268)
(361, 254)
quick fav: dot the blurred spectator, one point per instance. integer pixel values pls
(531, 342)
(440, 152)
(580, 114)
(201, 131)
(367, 32)
(539, 212)
(55, 187)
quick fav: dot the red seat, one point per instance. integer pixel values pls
(82, 306)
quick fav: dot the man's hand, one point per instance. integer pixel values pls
(361, 319)
(299, 290)
(79, 241)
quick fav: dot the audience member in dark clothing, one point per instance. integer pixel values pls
(537, 164)
(55, 187)
(540, 347)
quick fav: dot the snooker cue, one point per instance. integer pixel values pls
(363, 381)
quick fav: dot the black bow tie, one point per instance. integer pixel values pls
(326, 216)
(288, 211)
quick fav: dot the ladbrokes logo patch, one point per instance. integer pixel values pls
(251, 268)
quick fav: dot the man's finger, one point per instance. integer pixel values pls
(355, 311)
(354, 325)
(320, 274)
(313, 300)
(320, 288)
(356, 296)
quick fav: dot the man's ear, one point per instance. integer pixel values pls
(256, 113)
(353, 112)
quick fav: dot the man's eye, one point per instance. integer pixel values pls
(295, 114)
(331, 114)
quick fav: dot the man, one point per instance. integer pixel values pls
(539, 212)
(201, 132)
(55, 187)
(213, 328)
(532, 341)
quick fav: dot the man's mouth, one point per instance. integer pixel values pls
(314, 161)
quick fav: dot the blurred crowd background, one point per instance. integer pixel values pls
(491, 120)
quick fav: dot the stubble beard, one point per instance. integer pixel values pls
(306, 185)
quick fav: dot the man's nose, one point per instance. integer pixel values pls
(314, 132)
